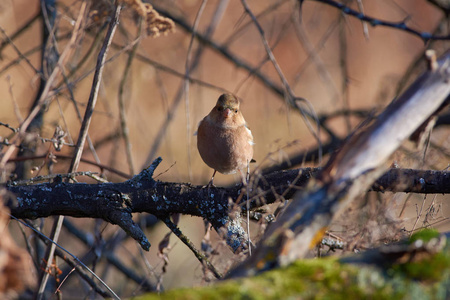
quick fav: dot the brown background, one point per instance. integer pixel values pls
(374, 65)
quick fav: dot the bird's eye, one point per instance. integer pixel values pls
(235, 110)
(220, 108)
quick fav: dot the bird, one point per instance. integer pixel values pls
(224, 141)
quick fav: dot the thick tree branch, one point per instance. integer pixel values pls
(115, 202)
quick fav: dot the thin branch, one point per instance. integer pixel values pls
(303, 38)
(16, 34)
(94, 90)
(289, 95)
(200, 256)
(237, 33)
(84, 160)
(425, 36)
(84, 127)
(188, 68)
(223, 50)
(283, 32)
(122, 113)
(16, 61)
(316, 49)
(109, 255)
(44, 237)
(21, 55)
(171, 71)
(45, 90)
(36, 179)
(414, 67)
(364, 24)
(9, 127)
(344, 68)
(349, 173)
(269, 51)
(177, 99)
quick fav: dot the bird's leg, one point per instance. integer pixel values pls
(248, 172)
(245, 180)
(210, 183)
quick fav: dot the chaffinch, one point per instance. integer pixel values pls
(224, 141)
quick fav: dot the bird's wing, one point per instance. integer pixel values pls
(250, 133)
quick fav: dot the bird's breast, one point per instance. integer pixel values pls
(224, 148)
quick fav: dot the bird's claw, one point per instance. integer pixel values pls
(209, 185)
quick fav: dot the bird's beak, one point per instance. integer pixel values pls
(226, 112)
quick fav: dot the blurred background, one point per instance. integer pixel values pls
(346, 70)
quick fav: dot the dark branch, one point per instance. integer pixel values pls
(425, 36)
(115, 202)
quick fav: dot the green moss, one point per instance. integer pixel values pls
(423, 265)
(309, 279)
(424, 276)
(425, 235)
(427, 269)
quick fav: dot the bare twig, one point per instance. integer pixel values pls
(84, 127)
(289, 93)
(9, 127)
(122, 113)
(269, 51)
(283, 32)
(84, 160)
(75, 104)
(226, 53)
(364, 24)
(45, 90)
(419, 214)
(109, 255)
(188, 68)
(36, 179)
(16, 34)
(21, 55)
(343, 66)
(314, 56)
(16, 61)
(173, 72)
(237, 33)
(201, 257)
(97, 41)
(350, 172)
(425, 36)
(316, 49)
(14, 102)
(66, 251)
(95, 88)
(177, 99)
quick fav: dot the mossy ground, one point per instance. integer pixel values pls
(426, 267)
(328, 278)
(425, 235)
(309, 279)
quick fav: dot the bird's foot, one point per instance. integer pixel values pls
(209, 185)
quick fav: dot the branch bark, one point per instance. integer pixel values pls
(115, 202)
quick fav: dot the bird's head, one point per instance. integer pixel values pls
(227, 106)
(226, 113)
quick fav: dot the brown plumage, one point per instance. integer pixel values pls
(223, 139)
